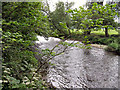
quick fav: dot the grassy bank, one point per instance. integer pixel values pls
(98, 37)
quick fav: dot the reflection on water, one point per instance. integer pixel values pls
(80, 68)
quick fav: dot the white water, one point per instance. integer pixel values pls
(41, 39)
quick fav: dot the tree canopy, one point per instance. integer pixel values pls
(97, 16)
(61, 16)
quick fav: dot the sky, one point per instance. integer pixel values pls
(76, 5)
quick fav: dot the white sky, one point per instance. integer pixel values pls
(76, 5)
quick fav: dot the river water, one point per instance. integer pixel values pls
(82, 68)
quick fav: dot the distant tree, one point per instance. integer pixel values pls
(106, 15)
(81, 19)
(107, 12)
(61, 16)
(96, 17)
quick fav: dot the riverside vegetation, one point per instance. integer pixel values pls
(23, 21)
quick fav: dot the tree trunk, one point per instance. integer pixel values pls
(87, 32)
(106, 32)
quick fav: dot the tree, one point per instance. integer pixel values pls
(61, 16)
(106, 16)
(96, 17)
(106, 13)
(81, 20)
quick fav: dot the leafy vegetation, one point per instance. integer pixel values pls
(60, 19)
(22, 21)
(94, 18)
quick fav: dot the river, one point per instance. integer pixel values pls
(82, 68)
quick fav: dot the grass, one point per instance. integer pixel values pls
(99, 32)
(77, 32)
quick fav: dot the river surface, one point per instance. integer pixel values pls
(82, 68)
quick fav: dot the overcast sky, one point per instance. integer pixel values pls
(76, 5)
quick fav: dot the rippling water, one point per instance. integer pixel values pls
(80, 68)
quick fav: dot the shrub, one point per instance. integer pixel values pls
(114, 46)
(109, 40)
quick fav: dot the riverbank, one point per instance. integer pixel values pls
(99, 46)
(111, 43)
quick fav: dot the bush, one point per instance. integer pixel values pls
(113, 42)
(113, 46)
(109, 40)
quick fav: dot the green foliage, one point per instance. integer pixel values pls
(10, 82)
(22, 21)
(94, 18)
(105, 17)
(114, 46)
(61, 19)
